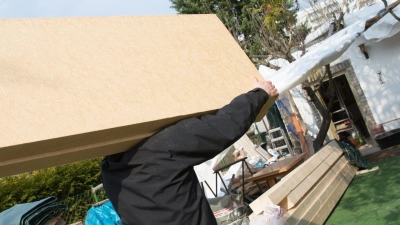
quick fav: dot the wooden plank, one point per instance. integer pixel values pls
(78, 88)
(314, 207)
(249, 147)
(271, 182)
(322, 214)
(256, 190)
(330, 189)
(367, 171)
(335, 173)
(246, 186)
(311, 180)
(277, 168)
(277, 193)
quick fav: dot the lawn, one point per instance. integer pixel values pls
(372, 198)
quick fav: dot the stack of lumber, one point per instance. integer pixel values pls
(310, 192)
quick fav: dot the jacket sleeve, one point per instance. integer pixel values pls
(196, 140)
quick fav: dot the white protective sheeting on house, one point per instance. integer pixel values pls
(333, 47)
(266, 72)
(301, 102)
(291, 75)
(297, 72)
(378, 75)
(280, 62)
(386, 27)
(323, 29)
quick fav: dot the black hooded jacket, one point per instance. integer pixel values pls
(154, 182)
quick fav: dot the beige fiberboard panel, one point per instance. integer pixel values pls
(281, 190)
(77, 88)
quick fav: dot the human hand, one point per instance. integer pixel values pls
(266, 86)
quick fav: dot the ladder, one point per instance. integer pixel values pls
(279, 138)
(344, 116)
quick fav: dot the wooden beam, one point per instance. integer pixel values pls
(315, 206)
(335, 173)
(299, 192)
(277, 193)
(368, 171)
(326, 208)
(333, 189)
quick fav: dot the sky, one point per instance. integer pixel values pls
(66, 8)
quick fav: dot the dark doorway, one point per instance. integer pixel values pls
(346, 115)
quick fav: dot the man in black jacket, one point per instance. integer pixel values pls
(154, 182)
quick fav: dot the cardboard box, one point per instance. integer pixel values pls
(78, 88)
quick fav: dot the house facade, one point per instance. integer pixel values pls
(367, 80)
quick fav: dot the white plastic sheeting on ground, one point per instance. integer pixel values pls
(297, 72)
(205, 172)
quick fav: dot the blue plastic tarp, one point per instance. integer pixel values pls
(32, 213)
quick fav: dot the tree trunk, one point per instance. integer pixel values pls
(324, 111)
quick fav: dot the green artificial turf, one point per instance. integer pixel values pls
(372, 198)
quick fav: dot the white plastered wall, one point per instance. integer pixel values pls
(384, 57)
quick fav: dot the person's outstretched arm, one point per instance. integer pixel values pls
(196, 140)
